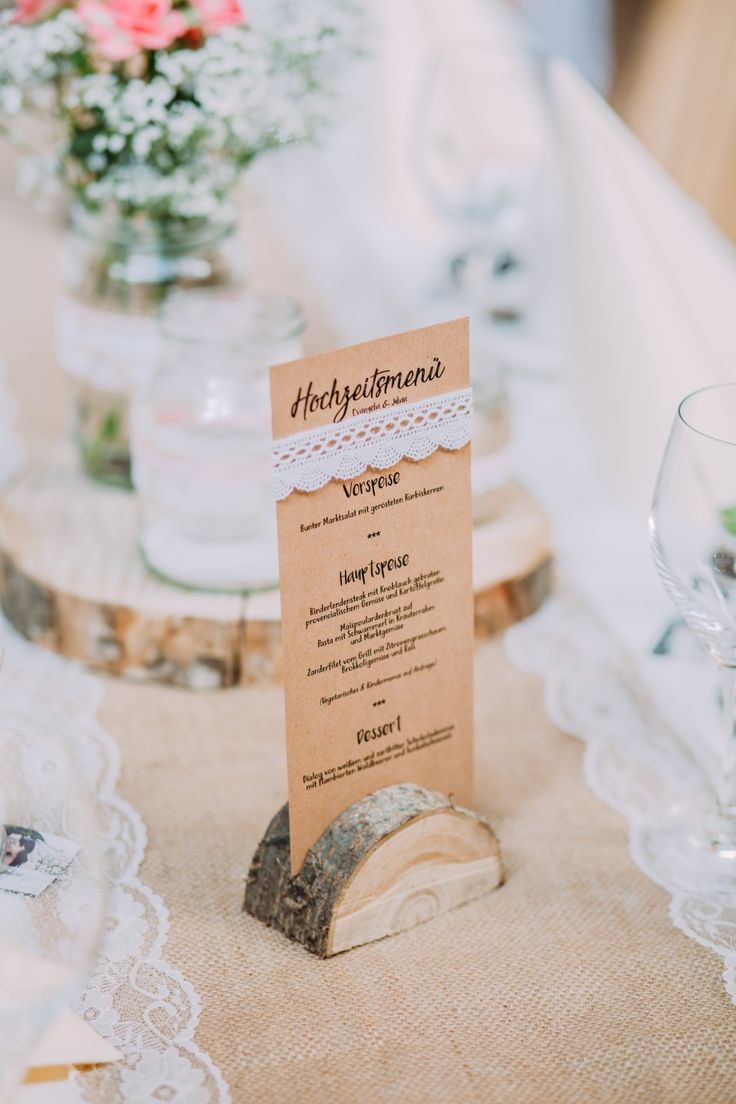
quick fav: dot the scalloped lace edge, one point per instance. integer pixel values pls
(633, 761)
(379, 439)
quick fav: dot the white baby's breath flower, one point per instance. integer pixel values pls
(178, 140)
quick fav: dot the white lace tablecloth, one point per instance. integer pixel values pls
(134, 998)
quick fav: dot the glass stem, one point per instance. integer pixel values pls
(726, 787)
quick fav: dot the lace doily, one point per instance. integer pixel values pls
(134, 998)
(104, 348)
(633, 761)
(307, 461)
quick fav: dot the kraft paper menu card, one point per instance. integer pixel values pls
(372, 479)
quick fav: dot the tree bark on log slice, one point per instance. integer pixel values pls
(394, 859)
(72, 580)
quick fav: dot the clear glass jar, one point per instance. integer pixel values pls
(118, 272)
(201, 439)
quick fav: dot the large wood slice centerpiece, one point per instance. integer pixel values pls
(72, 580)
(396, 858)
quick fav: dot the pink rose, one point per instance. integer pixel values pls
(214, 15)
(121, 28)
(33, 11)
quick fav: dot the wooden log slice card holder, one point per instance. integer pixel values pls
(72, 580)
(396, 858)
(377, 614)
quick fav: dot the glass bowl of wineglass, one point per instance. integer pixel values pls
(483, 151)
(693, 539)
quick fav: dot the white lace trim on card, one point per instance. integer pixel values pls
(633, 761)
(344, 450)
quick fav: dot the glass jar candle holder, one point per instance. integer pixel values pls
(201, 439)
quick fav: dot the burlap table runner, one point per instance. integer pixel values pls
(568, 984)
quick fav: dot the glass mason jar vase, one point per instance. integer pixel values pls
(201, 439)
(118, 272)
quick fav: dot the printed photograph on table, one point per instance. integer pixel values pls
(31, 860)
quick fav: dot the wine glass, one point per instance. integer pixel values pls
(483, 153)
(693, 538)
(49, 842)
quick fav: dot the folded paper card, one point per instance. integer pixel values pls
(30, 980)
(68, 1042)
(372, 475)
